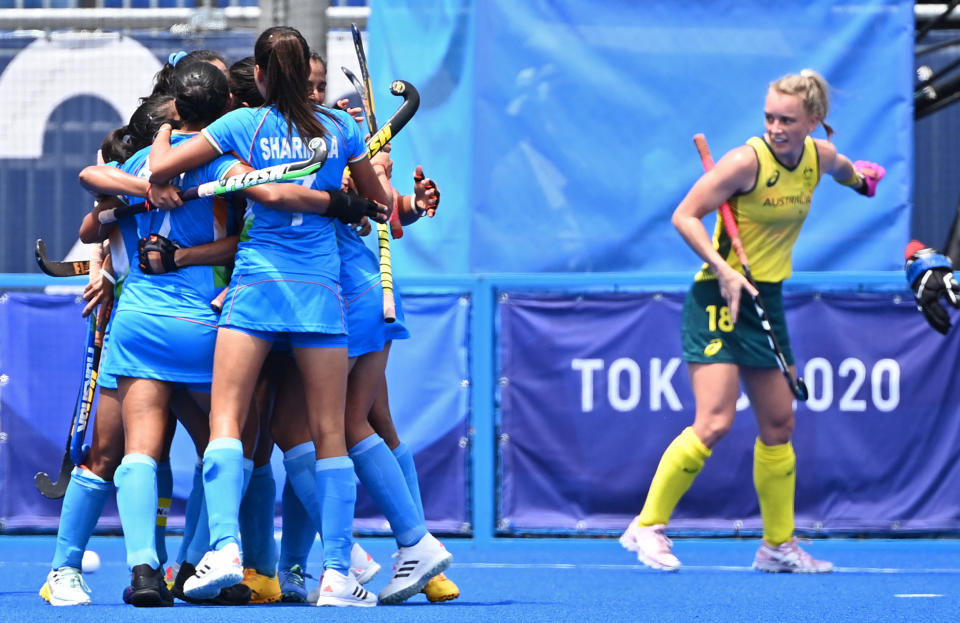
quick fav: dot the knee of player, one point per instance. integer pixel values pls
(711, 428)
(104, 464)
(777, 428)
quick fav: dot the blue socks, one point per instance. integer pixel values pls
(382, 477)
(408, 467)
(82, 505)
(164, 494)
(223, 489)
(299, 533)
(200, 543)
(337, 493)
(256, 522)
(300, 464)
(136, 480)
(191, 515)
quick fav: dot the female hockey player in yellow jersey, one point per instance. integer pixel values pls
(768, 183)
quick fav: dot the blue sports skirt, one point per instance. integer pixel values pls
(284, 303)
(368, 332)
(165, 348)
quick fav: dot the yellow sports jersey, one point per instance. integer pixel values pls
(770, 215)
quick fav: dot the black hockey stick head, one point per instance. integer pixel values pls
(799, 389)
(55, 490)
(411, 102)
(59, 269)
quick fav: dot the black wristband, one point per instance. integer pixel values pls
(347, 208)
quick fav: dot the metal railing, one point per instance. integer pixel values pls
(200, 16)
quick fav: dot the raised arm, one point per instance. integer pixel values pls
(423, 202)
(861, 176)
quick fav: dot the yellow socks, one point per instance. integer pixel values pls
(681, 462)
(775, 477)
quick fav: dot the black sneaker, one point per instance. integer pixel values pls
(148, 588)
(236, 595)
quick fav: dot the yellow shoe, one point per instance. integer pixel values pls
(263, 589)
(65, 587)
(440, 588)
(45, 592)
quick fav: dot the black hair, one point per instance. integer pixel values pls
(123, 142)
(242, 85)
(200, 91)
(162, 81)
(282, 54)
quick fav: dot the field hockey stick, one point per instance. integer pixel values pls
(411, 102)
(366, 90)
(396, 229)
(89, 387)
(233, 183)
(47, 487)
(383, 231)
(74, 452)
(377, 141)
(797, 386)
(59, 269)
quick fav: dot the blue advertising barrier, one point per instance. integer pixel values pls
(593, 389)
(558, 393)
(41, 348)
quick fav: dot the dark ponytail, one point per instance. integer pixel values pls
(200, 91)
(282, 54)
(144, 123)
(243, 86)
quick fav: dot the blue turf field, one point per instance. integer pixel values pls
(553, 580)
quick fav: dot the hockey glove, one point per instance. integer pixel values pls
(157, 254)
(871, 173)
(930, 275)
(350, 208)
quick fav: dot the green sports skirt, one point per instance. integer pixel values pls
(710, 337)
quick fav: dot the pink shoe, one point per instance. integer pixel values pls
(651, 544)
(788, 558)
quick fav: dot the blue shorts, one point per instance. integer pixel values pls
(283, 342)
(368, 332)
(165, 348)
(284, 303)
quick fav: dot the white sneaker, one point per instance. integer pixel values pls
(337, 589)
(216, 570)
(414, 567)
(65, 587)
(788, 557)
(651, 544)
(362, 565)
